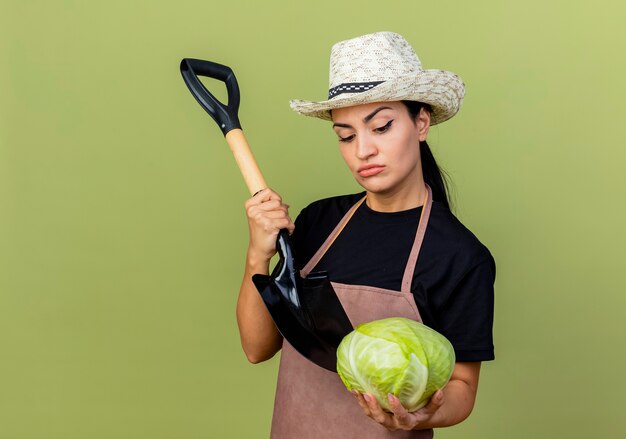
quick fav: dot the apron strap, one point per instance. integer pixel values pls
(417, 244)
(331, 238)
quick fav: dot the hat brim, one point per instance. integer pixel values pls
(442, 90)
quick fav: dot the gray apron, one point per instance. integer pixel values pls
(312, 402)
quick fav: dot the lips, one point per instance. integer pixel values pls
(370, 170)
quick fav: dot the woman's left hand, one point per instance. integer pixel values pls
(400, 418)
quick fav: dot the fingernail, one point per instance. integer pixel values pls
(390, 397)
(367, 397)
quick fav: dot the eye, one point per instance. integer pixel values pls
(346, 139)
(384, 128)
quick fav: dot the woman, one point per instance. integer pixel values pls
(382, 104)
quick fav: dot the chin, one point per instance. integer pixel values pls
(376, 187)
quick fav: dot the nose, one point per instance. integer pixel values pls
(365, 147)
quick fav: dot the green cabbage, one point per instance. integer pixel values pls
(397, 356)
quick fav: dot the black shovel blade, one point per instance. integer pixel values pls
(290, 325)
(328, 318)
(307, 312)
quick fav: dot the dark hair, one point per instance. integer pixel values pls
(433, 175)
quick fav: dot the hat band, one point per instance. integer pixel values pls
(352, 87)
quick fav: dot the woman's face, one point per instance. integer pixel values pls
(380, 144)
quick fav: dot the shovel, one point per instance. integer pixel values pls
(306, 311)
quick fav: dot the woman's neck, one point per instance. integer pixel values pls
(402, 199)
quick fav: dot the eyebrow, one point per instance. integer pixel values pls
(366, 119)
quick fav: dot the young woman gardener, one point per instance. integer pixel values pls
(382, 104)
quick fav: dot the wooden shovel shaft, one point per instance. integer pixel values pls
(245, 160)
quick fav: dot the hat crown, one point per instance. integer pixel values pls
(380, 56)
(382, 66)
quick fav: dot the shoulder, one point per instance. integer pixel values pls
(317, 220)
(451, 236)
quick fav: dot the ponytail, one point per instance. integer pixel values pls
(433, 175)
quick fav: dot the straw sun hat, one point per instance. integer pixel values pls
(384, 67)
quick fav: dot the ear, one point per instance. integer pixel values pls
(423, 124)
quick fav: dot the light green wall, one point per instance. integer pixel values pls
(122, 231)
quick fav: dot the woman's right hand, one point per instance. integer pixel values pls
(267, 215)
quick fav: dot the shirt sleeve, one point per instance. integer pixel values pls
(466, 318)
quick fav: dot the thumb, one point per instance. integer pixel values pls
(433, 405)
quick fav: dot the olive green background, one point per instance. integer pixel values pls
(123, 234)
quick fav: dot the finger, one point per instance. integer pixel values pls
(435, 402)
(361, 402)
(289, 225)
(433, 405)
(376, 411)
(401, 414)
(270, 221)
(276, 211)
(260, 215)
(275, 219)
(274, 214)
(267, 194)
(262, 196)
(271, 205)
(277, 224)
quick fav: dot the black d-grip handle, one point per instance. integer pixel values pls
(225, 115)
